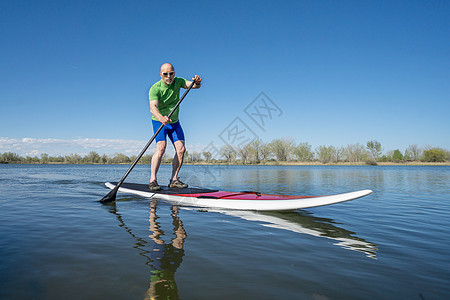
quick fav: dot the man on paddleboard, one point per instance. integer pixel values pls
(163, 96)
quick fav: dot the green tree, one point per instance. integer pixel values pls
(374, 148)
(254, 149)
(194, 157)
(228, 152)
(120, 158)
(325, 154)
(44, 158)
(282, 148)
(104, 159)
(434, 155)
(31, 159)
(354, 152)
(415, 152)
(93, 157)
(264, 152)
(397, 156)
(207, 155)
(339, 154)
(56, 159)
(303, 152)
(10, 157)
(73, 159)
(244, 153)
(146, 159)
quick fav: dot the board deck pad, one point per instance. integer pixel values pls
(165, 190)
(209, 193)
(204, 197)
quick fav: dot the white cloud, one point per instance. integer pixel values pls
(81, 146)
(32, 153)
(35, 147)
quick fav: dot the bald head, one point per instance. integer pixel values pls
(167, 73)
(167, 67)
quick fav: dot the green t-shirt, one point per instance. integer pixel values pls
(167, 96)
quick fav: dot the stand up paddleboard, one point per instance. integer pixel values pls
(202, 197)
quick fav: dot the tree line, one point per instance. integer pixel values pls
(286, 150)
(259, 152)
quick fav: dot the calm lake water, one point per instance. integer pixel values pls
(58, 242)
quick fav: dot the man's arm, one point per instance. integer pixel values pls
(155, 112)
(198, 82)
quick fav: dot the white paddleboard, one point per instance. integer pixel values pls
(201, 197)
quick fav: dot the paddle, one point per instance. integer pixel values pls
(111, 196)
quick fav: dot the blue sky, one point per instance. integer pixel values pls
(75, 75)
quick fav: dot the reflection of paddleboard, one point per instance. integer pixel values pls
(235, 200)
(304, 223)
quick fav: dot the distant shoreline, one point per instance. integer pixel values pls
(413, 163)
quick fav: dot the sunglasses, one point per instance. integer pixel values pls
(168, 73)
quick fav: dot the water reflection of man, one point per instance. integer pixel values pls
(165, 258)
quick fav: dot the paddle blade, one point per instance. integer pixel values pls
(110, 197)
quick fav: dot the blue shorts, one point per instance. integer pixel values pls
(174, 131)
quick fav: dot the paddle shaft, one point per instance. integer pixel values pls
(111, 196)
